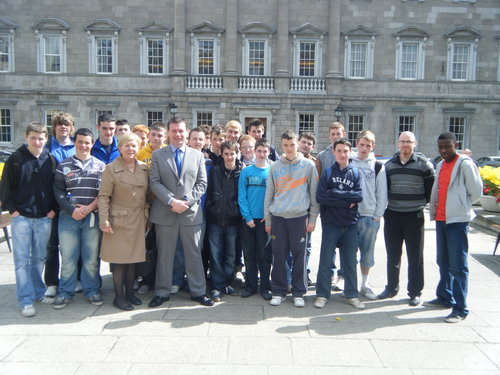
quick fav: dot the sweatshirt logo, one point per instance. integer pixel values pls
(341, 182)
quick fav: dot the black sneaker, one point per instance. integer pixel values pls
(61, 302)
(229, 290)
(96, 300)
(247, 293)
(215, 295)
(267, 295)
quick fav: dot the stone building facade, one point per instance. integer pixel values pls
(392, 65)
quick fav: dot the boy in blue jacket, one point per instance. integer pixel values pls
(339, 192)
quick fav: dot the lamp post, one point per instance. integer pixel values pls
(338, 112)
(173, 109)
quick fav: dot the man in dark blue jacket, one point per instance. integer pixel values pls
(339, 192)
(106, 147)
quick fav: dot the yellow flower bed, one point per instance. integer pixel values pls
(491, 181)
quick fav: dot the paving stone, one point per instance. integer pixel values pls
(8, 343)
(55, 368)
(103, 368)
(220, 312)
(51, 327)
(263, 328)
(205, 369)
(490, 334)
(131, 327)
(259, 350)
(329, 370)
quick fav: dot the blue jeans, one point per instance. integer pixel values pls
(78, 239)
(452, 248)
(29, 240)
(367, 234)
(348, 239)
(222, 254)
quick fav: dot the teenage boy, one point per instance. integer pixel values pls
(254, 239)
(61, 147)
(290, 211)
(217, 137)
(233, 131)
(339, 192)
(247, 148)
(257, 130)
(106, 147)
(457, 186)
(122, 127)
(26, 191)
(307, 141)
(327, 156)
(76, 185)
(223, 218)
(372, 208)
(156, 138)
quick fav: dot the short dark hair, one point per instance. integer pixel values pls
(205, 129)
(342, 141)
(218, 130)
(288, 134)
(105, 117)
(84, 132)
(176, 120)
(308, 135)
(263, 142)
(255, 122)
(197, 129)
(447, 136)
(36, 127)
(122, 122)
(158, 126)
(230, 145)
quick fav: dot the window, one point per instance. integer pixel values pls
(205, 57)
(205, 49)
(51, 45)
(406, 124)
(256, 38)
(156, 56)
(358, 52)
(103, 46)
(5, 125)
(204, 118)
(354, 126)
(462, 51)
(410, 60)
(154, 116)
(6, 53)
(256, 57)
(457, 126)
(48, 114)
(306, 122)
(153, 43)
(308, 58)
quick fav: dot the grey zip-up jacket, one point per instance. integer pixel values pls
(464, 189)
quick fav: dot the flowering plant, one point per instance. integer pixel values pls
(491, 181)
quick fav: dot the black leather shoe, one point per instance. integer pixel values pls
(203, 300)
(386, 294)
(414, 301)
(122, 304)
(157, 301)
(247, 293)
(133, 299)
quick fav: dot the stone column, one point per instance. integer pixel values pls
(179, 49)
(334, 39)
(231, 37)
(282, 42)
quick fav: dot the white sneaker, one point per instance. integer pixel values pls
(46, 300)
(28, 311)
(51, 291)
(78, 287)
(320, 302)
(299, 302)
(175, 289)
(143, 289)
(355, 302)
(368, 293)
(276, 300)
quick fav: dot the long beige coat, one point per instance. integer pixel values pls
(122, 205)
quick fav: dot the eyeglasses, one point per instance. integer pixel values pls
(406, 142)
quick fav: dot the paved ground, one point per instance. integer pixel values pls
(251, 337)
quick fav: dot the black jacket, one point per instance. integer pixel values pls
(27, 183)
(221, 204)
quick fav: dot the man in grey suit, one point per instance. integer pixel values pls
(178, 180)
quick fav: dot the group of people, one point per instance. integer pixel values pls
(217, 199)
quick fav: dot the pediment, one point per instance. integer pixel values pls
(155, 27)
(6, 25)
(464, 32)
(256, 28)
(103, 25)
(52, 24)
(205, 28)
(410, 31)
(307, 29)
(359, 31)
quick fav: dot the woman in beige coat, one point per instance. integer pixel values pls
(123, 216)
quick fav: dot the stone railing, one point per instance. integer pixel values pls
(308, 85)
(204, 82)
(256, 83)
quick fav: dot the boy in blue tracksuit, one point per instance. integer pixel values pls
(339, 192)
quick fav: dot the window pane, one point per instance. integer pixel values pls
(358, 60)
(205, 57)
(457, 127)
(256, 58)
(154, 116)
(307, 59)
(204, 118)
(460, 62)
(5, 125)
(49, 113)
(104, 54)
(306, 122)
(406, 124)
(355, 125)
(155, 56)
(4, 53)
(409, 55)
(52, 54)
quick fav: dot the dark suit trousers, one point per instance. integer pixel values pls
(407, 227)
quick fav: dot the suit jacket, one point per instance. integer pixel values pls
(165, 184)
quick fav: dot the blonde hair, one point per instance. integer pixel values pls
(337, 125)
(127, 137)
(366, 134)
(63, 118)
(234, 124)
(247, 137)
